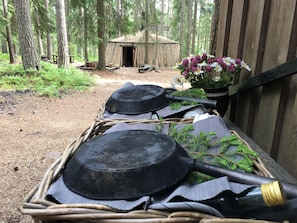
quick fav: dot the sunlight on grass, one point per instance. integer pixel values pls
(50, 81)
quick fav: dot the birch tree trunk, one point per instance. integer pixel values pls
(63, 52)
(29, 54)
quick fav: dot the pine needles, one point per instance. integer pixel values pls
(228, 151)
(198, 93)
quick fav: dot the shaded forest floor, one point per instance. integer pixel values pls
(34, 131)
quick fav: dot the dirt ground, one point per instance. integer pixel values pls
(34, 131)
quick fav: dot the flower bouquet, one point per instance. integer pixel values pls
(209, 72)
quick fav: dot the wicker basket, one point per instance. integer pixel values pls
(41, 209)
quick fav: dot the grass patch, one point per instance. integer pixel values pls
(50, 81)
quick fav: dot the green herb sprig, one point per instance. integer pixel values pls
(198, 93)
(228, 151)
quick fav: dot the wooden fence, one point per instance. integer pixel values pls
(264, 34)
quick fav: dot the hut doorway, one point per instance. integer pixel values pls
(128, 56)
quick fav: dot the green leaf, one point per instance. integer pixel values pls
(240, 157)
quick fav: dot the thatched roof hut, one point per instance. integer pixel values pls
(129, 50)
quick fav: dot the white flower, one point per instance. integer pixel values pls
(217, 67)
(228, 61)
(244, 65)
(210, 56)
(217, 78)
(198, 72)
(203, 64)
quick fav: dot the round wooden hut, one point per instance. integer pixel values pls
(129, 51)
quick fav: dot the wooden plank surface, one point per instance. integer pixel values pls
(244, 108)
(274, 168)
(237, 25)
(287, 152)
(281, 71)
(267, 114)
(223, 27)
(276, 52)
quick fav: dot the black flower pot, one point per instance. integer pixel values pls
(221, 95)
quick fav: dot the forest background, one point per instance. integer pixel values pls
(82, 28)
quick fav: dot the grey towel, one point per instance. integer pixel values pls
(189, 193)
(144, 126)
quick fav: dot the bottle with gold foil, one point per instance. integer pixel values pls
(269, 194)
(252, 202)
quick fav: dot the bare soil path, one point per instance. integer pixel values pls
(35, 130)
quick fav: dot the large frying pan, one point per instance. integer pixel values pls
(132, 163)
(138, 99)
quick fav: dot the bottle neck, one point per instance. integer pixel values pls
(269, 194)
(273, 194)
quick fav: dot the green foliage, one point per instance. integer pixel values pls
(189, 93)
(50, 81)
(229, 151)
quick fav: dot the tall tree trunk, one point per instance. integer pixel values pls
(8, 33)
(119, 13)
(48, 36)
(4, 46)
(63, 53)
(101, 35)
(181, 29)
(189, 31)
(146, 33)
(30, 57)
(67, 6)
(40, 46)
(85, 18)
(214, 28)
(194, 27)
(162, 16)
(138, 20)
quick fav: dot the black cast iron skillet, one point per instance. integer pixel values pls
(138, 99)
(132, 163)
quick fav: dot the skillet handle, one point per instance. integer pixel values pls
(206, 103)
(242, 177)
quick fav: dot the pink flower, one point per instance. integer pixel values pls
(198, 58)
(194, 69)
(208, 71)
(185, 73)
(204, 56)
(231, 68)
(238, 61)
(208, 68)
(185, 62)
(223, 65)
(219, 60)
(194, 62)
(211, 60)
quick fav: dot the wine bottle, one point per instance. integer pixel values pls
(250, 203)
